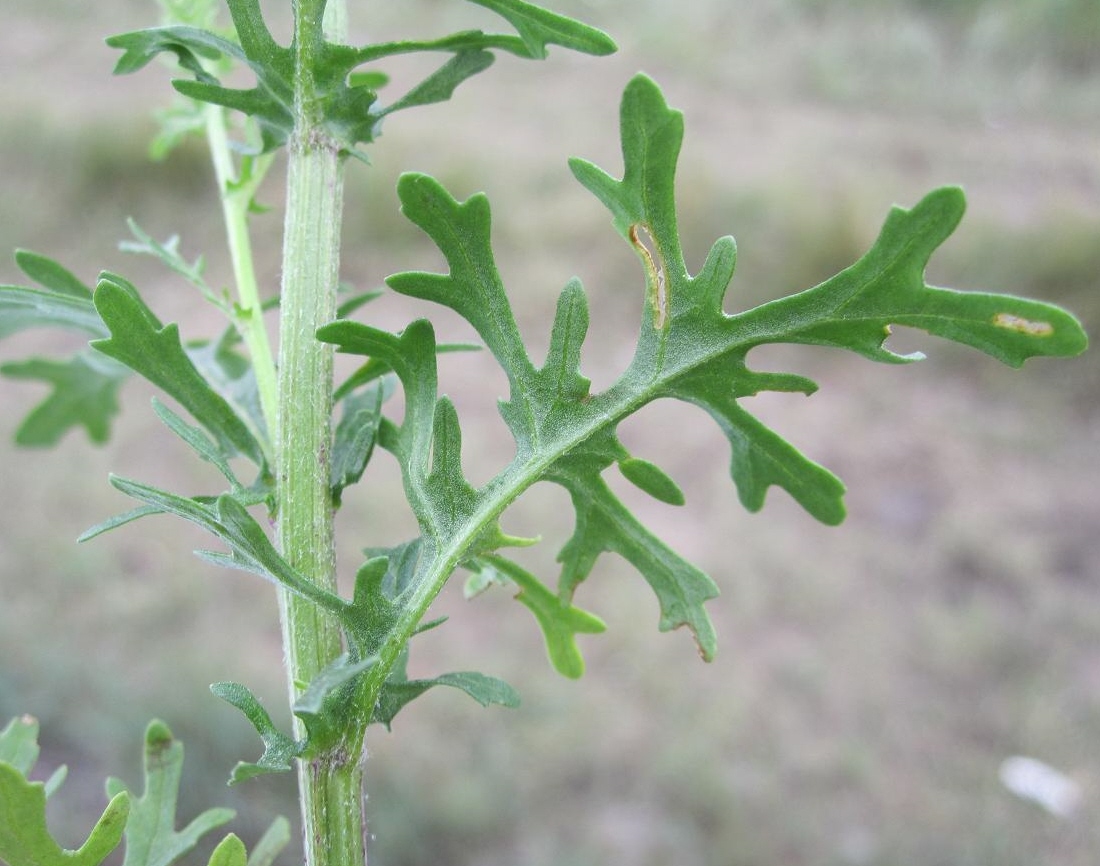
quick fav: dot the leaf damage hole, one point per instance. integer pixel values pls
(1023, 326)
(657, 285)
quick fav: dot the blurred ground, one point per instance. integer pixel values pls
(871, 678)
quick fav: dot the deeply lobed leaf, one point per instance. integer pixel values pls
(688, 349)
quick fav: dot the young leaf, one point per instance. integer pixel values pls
(151, 837)
(325, 706)
(197, 441)
(230, 852)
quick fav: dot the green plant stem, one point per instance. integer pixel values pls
(330, 783)
(236, 199)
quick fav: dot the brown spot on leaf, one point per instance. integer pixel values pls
(1022, 325)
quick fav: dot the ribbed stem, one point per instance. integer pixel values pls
(330, 785)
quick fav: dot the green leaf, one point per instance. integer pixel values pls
(25, 839)
(19, 749)
(279, 749)
(154, 351)
(540, 27)
(197, 441)
(652, 479)
(62, 302)
(84, 394)
(84, 388)
(441, 84)
(22, 308)
(346, 101)
(270, 102)
(151, 837)
(688, 349)
(355, 437)
(228, 520)
(399, 691)
(51, 275)
(230, 852)
(19, 744)
(169, 255)
(604, 524)
(560, 621)
(326, 705)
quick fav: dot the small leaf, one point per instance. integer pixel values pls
(197, 441)
(19, 744)
(355, 437)
(151, 837)
(228, 520)
(230, 852)
(560, 621)
(325, 706)
(398, 691)
(50, 275)
(440, 85)
(540, 27)
(279, 749)
(652, 479)
(169, 255)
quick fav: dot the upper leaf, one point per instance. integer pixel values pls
(344, 101)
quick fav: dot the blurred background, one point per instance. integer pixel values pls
(872, 679)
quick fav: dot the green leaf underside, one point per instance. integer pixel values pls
(347, 104)
(560, 622)
(25, 839)
(689, 349)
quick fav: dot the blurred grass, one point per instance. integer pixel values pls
(871, 678)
